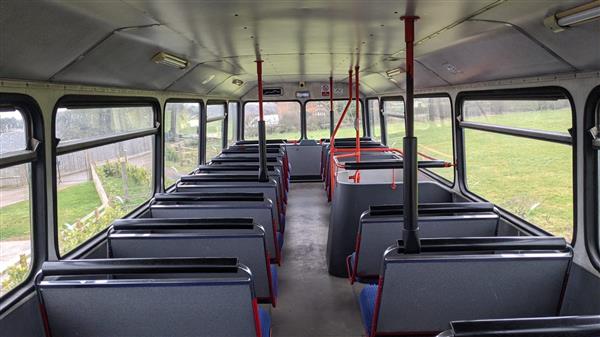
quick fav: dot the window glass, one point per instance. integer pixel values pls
(347, 127)
(215, 111)
(12, 131)
(232, 120)
(99, 185)
(282, 120)
(15, 225)
(85, 123)
(433, 128)
(545, 115)
(317, 119)
(214, 139)
(181, 139)
(374, 119)
(530, 178)
(394, 123)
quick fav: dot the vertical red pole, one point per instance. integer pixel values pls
(331, 119)
(260, 89)
(410, 234)
(357, 122)
(263, 173)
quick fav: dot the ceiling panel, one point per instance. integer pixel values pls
(125, 60)
(579, 45)
(36, 42)
(502, 53)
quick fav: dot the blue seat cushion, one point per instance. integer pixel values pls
(265, 322)
(274, 279)
(366, 300)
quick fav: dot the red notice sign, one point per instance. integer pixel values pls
(325, 90)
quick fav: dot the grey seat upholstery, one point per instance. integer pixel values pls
(158, 238)
(150, 298)
(260, 211)
(421, 293)
(377, 233)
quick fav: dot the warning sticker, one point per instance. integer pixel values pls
(325, 90)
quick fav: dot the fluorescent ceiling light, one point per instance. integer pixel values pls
(170, 60)
(394, 72)
(574, 16)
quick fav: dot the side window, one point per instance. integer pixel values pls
(282, 120)
(182, 139)
(393, 114)
(215, 122)
(374, 120)
(433, 128)
(104, 166)
(232, 122)
(524, 169)
(15, 198)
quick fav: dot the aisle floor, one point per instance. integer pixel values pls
(311, 302)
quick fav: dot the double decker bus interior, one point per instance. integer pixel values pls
(299, 168)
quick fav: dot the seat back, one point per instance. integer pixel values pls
(421, 293)
(160, 238)
(260, 212)
(188, 297)
(377, 233)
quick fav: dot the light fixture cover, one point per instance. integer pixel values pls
(560, 21)
(170, 60)
(238, 82)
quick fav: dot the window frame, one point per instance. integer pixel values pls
(164, 129)
(363, 116)
(236, 128)
(395, 98)
(242, 119)
(34, 154)
(205, 121)
(591, 150)
(428, 172)
(367, 114)
(91, 101)
(525, 93)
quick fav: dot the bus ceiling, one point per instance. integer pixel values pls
(209, 47)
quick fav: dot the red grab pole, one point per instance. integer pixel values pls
(263, 173)
(331, 118)
(260, 89)
(357, 121)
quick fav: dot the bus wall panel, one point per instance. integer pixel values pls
(582, 296)
(24, 320)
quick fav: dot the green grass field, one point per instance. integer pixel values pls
(532, 179)
(74, 202)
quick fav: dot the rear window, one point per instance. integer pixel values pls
(282, 120)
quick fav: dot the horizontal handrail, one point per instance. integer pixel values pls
(486, 244)
(434, 208)
(139, 266)
(196, 197)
